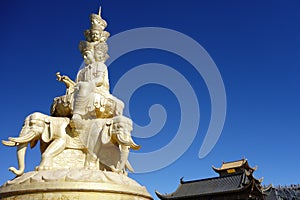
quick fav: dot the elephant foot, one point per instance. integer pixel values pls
(41, 168)
(91, 162)
(46, 164)
(114, 169)
(90, 168)
(118, 170)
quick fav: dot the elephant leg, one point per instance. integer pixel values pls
(91, 161)
(124, 152)
(53, 150)
(21, 160)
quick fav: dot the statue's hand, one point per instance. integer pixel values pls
(58, 76)
(65, 79)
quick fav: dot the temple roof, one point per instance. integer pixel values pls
(282, 192)
(217, 185)
(235, 180)
(243, 163)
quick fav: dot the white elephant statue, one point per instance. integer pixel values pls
(51, 131)
(110, 141)
(105, 142)
(118, 135)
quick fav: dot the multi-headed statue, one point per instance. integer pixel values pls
(85, 142)
(90, 118)
(89, 97)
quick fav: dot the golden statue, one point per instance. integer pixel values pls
(85, 141)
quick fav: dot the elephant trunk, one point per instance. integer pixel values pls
(26, 136)
(21, 160)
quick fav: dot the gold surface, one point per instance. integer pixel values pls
(234, 164)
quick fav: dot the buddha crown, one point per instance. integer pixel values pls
(97, 23)
(86, 46)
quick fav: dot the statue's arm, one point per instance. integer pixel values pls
(66, 80)
(100, 76)
(99, 80)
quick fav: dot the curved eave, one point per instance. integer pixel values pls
(259, 188)
(268, 189)
(165, 196)
(254, 168)
(261, 180)
(216, 169)
(161, 196)
(248, 166)
(169, 196)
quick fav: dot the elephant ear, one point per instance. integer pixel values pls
(106, 133)
(48, 131)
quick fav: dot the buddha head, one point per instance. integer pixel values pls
(97, 22)
(87, 52)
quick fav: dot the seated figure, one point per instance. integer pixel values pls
(88, 97)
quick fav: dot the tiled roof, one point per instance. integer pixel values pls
(209, 186)
(290, 192)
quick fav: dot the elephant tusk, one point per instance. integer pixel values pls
(129, 167)
(9, 143)
(23, 139)
(128, 142)
(135, 146)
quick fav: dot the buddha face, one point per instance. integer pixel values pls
(95, 35)
(88, 57)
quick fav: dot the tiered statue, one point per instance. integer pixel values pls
(85, 142)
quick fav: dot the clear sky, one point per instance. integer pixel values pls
(255, 46)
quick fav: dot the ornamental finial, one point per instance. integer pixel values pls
(99, 12)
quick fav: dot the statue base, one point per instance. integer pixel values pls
(73, 184)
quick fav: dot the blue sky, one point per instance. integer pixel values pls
(254, 44)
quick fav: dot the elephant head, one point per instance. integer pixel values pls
(36, 126)
(117, 131)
